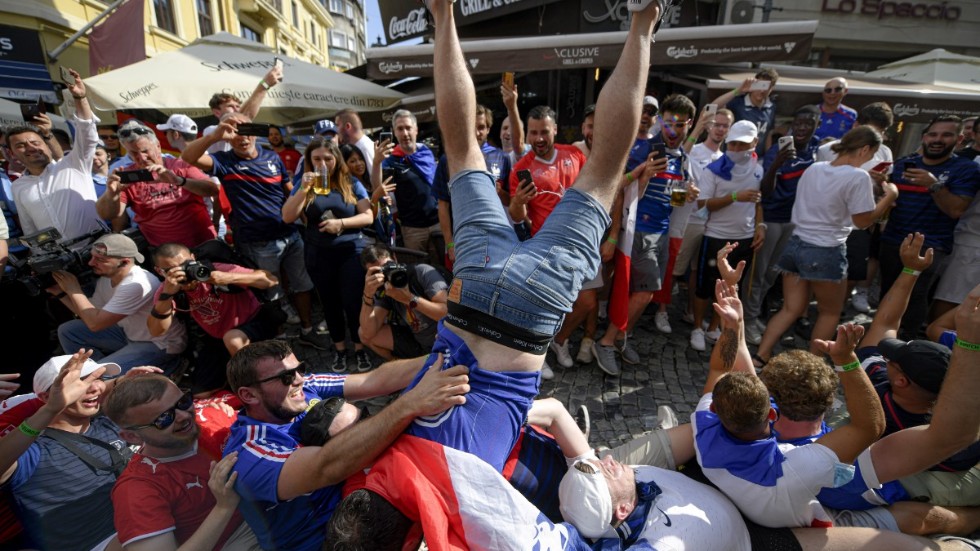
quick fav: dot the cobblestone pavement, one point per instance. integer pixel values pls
(623, 407)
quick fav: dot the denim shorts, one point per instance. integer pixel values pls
(280, 256)
(529, 284)
(813, 262)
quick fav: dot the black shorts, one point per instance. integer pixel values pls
(405, 344)
(858, 252)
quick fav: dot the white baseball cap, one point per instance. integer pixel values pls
(180, 123)
(584, 499)
(48, 372)
(742, 131)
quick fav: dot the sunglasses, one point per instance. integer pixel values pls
(286, 376)
(650, 111)
(834, 89)
(138, 130)
(109, 136)
(167, 418)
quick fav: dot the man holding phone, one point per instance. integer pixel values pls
(750, 102)
(59, 193)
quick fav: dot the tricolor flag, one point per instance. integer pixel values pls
(460, 501)
(619, 298)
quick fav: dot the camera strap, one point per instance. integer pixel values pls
(69, 441)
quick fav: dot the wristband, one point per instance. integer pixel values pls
(366, 301)
(159, 316)
(450, 245)
(847, 367)
(734, 197)
(165, 296)
(78, 97)
(737, 92)
(910, 271)
(967, 345)
(183, 182)
(264, 84)
(762, 225)
(629, 176)
(612, 240)
(61, 295)
(692, 139)
(26, 429)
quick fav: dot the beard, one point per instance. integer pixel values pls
(932, 155)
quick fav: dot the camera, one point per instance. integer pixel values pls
(196, 271)
(47, 254)
(396, 274)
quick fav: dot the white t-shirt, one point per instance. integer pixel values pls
(826, 198)
(792, 501)
(883, 154)
(216, 147)
(133, 298)
(737, 220)
(700, 157)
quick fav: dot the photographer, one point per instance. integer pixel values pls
(416, 294)
(233, 317)
(112, 322)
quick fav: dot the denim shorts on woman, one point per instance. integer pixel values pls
(813, 262)
(529, 284)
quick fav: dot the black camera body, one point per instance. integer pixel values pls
(396, 274)
(196, 271)
(47, 254)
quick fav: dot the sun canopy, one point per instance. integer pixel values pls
(935, 67)
(183, 82)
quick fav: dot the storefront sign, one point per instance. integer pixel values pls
(883, 9)
(403, 20)
(23, 73)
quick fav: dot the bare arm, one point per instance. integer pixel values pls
(866, 219)
(892, 308)
(951, 204)
(945, 322)
(258, 279)
(509, 95)
(44, 125)
(292, 209)
(251, 106)
(391, 377)
(110, 205)
(96, 319)
(446, 225)
(740, 90)
(769, 178)
(730, 352)
(313, 467)
(4, 256)
(196, 152)
(551, 415)
(867, 417)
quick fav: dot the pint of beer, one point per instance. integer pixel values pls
(678, 194)
(320, 185)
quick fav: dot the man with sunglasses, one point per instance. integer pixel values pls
(60, 193)
(172, 493)
(113, 320)
(109, 135)
(288, 490)
(835, 117)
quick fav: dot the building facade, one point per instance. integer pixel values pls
(347, 40)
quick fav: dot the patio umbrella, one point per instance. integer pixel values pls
(183, 82)
(935, 67)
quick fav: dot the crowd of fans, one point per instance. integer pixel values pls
(176, 415)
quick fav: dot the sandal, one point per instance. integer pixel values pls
(758, 362)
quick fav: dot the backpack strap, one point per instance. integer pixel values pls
(70, 441)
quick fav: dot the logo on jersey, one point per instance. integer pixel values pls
(667, 521)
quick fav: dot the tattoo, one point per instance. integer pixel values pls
(729, 347)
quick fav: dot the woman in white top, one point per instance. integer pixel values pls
(831, 199)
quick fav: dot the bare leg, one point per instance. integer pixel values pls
(918, 518)
(617, 108)
(584, 304)
(830, 302)
(849, 539)
(304, 307)
(796, 294)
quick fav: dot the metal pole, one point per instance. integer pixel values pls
(53, 54)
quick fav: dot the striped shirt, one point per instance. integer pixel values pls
(257, 190)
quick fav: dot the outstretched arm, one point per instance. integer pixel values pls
(730, 352)
(893, 305)
(251, 106)
(551, 415)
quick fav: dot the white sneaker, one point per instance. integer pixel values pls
(713, 336)
(697, 340)
(546, 372)
(585, 351)
(859, 301)
(666, 418)
(752, 334)
(561, 354)
(292, 317)
(663, 323)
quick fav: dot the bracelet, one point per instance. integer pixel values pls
(736, 91)
(366, 301)
(28, 430)
(159, 316)
(264, 84)
(847, 367)
(612, 240)
(78, 97)
(692, 139)
(762, 225)
(450, 245)
(183, 182)
(165, 296)
(967, 345)
(910, 271)
(61, 295)
(734, 197)
(629, 176)
(342, 227)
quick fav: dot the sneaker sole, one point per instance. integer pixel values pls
(310, 344)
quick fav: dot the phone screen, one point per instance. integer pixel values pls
(881, 166)
(133, 176)
(760, 85)
(386, 136)
(252, 129)
(524, 178)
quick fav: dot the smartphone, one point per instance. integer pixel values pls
(660, 149)
(524, 178)
(134, 176)
(760, 85)
(387, 173)
(277, 62)
(253, 129)
(882, 166)
(508, 79)
(386, 136)
(908, 165)
(786, 142)
(66, 76)
(711, 109)
(31, 110)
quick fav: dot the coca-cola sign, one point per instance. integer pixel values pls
(400, 28)
(404, 19)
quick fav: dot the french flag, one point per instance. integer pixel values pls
(460, 501)
(620, 295)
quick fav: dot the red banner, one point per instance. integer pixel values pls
(119, 41)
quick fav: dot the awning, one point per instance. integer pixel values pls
(789, 41)
(23, 72)
(911, 102)
(183, 82)
(935, 67)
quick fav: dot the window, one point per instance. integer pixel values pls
(350, 11)
(351, 44)
(338, 39)
(249, 33)
(295, 9)
(337, 6)
(204, 17)
(313, 33)
(164, 10)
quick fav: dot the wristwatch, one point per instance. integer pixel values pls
(935, 187)
(413, 302)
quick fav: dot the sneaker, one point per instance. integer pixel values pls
(688, 318)
(562, 354)
(583, 421)
(666, 418)
(321, 328)
(546, 372)
(665, 6)
(310, 338)
(292, 317)
(697, 340)
(339, 363)
(605, 356)
(752, 334)
(663, 323)
(712, 336)
(628, 353)
(585, 351)
(859, 301)
(363, 361)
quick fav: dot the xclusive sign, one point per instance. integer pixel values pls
(404, 20)
(884, 9)
(23, 73)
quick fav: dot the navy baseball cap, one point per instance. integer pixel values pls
(325, 127)
(924, 362)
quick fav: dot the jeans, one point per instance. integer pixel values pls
(111, 346)
(277, 257)
(531, 284)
